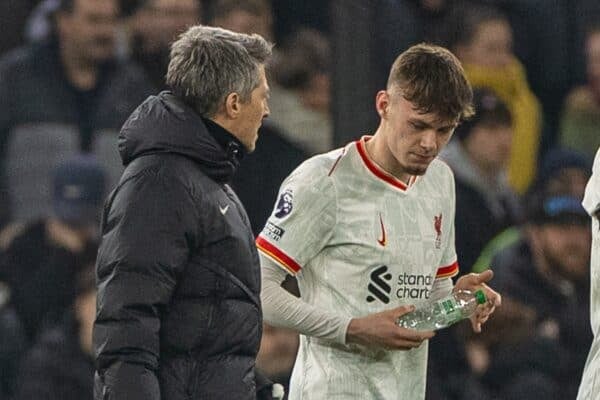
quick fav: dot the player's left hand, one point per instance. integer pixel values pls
(474, 282)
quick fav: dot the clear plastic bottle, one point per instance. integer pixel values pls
(443, 312)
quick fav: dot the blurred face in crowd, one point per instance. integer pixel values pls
(251, 113)
(412, 139)
(317, 94)
(159, 22)
(244, 22)
(491, 45)
(566, 248)
(89, 28)
(489, 146)
(570, 181)
(593, 61)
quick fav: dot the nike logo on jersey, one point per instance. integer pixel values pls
(224, 209)
(382, 239)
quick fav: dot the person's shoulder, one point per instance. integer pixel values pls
(439, 174)
(17, 61)
(165, 172)
(441, 167)
(581, 98)
(322, 164)
(129, 68)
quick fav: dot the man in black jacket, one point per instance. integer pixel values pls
(178, 313)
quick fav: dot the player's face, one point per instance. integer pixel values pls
(252, 114)
(412, 139)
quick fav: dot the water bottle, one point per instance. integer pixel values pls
(444, 312)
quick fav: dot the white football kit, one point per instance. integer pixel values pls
(360, 241)
(590, 383)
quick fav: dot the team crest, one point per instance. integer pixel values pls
(284, 205)
(437, 225)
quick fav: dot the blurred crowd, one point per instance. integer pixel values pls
(71, 71)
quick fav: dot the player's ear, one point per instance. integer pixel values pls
(382, 103)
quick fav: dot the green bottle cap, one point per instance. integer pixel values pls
(480, 297)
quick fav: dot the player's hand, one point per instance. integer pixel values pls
(474, 282)
(381, 330)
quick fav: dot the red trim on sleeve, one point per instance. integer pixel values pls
(277, 255)
(448, 271)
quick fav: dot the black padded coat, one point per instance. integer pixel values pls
(178, 275)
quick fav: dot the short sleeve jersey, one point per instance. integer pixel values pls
(590, 383)
(360, 241)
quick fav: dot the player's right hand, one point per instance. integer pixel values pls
(381, 330)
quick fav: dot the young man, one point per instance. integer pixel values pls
(590, 383)
(179, 313)
(369, 231)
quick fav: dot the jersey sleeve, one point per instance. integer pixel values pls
(591, 200)
(449, 261)
(303, 218)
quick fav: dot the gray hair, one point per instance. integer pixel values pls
(207, 64)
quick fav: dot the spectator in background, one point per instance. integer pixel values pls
(580, 122)
(248, 16)
(562, 171)
(481, 37)
(42, 259)
(13, 14)
(60, 366)
(152, 28)
(301, 91)
(478, 156)
(59, 97)
(546, 274)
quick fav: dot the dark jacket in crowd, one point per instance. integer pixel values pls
(41, 276)
(13, 344)
(178, 275)
(44, 118)
(477, 222)
(56, 367)
(543, 364)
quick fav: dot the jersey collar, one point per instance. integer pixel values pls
(377, 170)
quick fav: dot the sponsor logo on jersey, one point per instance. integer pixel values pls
(273, 231)
(407, 286)
(284, 205)
(378, 287)
(382, 239)
(414, 286)
(437, 225)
